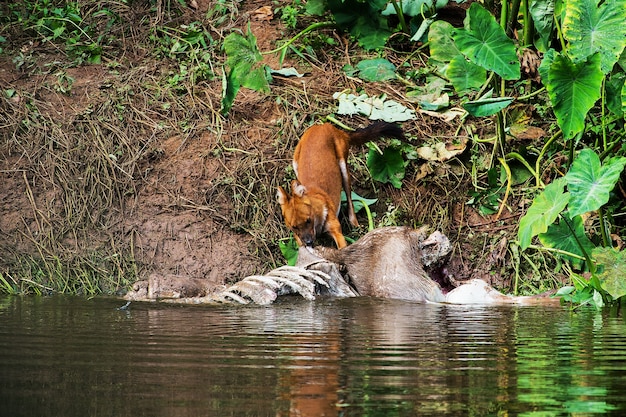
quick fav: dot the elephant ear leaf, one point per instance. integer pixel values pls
(246, 68)
(542, 12)
(544, 210)
(388, 167)
(245, 61)
(465, 75)
(487, 107)
(441, 40)
(611, 271)
(590, 182)
(560, 236)
(592, 28)
(363, 19)
(485, 43)
(573, 90)
(358, 201)
(378, 69)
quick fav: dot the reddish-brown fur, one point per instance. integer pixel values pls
(320, 163)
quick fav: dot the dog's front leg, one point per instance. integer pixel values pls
(333, 227)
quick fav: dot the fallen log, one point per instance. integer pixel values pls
(390, 262)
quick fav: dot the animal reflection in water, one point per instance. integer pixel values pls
(390, 262)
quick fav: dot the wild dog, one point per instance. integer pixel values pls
(320, 164)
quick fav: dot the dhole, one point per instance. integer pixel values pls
(319, 162)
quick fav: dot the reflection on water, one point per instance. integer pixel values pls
(354, 357)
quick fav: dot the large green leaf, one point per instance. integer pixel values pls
(414, 7)
(388, 167)
(611, 275)
(624, 100)
(240, 51)
(546, 64)
(315, 7)
(244, 60)
(289, 249)
(230, 88)
(487, 106)
(440, 39)
(246, 68)
(363, 20)
(378, 69)
(622, 60)
(542, 12)
(369, 35)
(543, 212)
(559, 236)
(590, 183)
(357, 201)
(591, 27)
(614, 88)
(573, 90)
(485, 44)
(465, 75)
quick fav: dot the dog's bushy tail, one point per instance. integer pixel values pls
(375, 131)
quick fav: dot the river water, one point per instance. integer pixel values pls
(64, 356)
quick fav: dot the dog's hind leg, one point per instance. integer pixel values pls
(342, 149)
(347, 187)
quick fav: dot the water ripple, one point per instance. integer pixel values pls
(337, 357)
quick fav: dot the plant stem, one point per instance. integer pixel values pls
(529, 25)
(588, 261)
(531, 95)
(500, 128)
(332, 119)
(310, 28)
(555, 250)
(570, 158)
(603, 92)
(559, 33)
(610, 147)
(520, 158)
(400, 14)
(543, 151)
(516, 266)
(504, 14)
(513, 18)
(486, 84)
(501, 131)
(488, 140)
(370, 218)
(508, 186)
(603, 232)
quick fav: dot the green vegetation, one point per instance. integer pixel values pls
(508, 67)
(64, 23)
(481, 62)
(189, 45)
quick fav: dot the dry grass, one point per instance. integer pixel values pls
(84, 157)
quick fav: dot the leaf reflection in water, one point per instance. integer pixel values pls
(355, 356)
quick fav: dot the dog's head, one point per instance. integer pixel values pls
(299, 214)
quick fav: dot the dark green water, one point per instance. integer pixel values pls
(355, 357)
